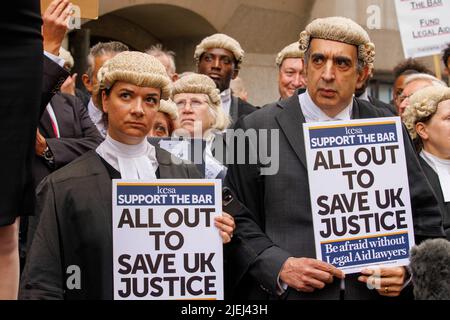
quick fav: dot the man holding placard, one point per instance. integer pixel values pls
(278, 226)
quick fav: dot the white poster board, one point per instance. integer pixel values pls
(359, 193)
(424, 26)
(165, 243)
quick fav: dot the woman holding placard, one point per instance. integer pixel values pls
(75, 203)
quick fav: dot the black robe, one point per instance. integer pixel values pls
(75, 229)
(436, 185)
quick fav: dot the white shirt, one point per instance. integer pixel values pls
(442, 169)
(313, 113)
(133, 161)
(58, 60)
(97, 118)
(225, 96)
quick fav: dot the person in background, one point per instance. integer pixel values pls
(201, 116)
(401, 71)
(291, 74)
(428, 121)
(446, 59)
(220, 57)
(98, 55)
(413, 83)
(164, 121)
(167, 58)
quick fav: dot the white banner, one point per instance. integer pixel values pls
(165, 243)
(359, 192)
(424, 26)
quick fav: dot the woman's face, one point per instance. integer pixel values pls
(161, 126)
(131, 110)
(193, 113)
(436, 132)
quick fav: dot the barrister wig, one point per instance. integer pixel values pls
(423, 105)
(342, 30)
(221, 41)
(290, 51)
(199, 83)
(168, 107)
(136, 68)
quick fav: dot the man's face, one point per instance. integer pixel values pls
(166, 62)
(219, 65)
(332, 75)
(290, 77)
(91, 82)
(399, 86)
(408, 91)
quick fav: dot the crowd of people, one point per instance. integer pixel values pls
(77, 140)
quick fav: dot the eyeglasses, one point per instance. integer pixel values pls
(193, 103)
(402, 97)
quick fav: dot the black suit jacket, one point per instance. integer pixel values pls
(54, 77)
(380, 104)
(77, 134)
(240, 108)
(75, 204)
(278, 222)
(436, 185)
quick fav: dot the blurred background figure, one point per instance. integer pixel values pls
(290, 70)
(446, 60)
(164, 120)
(167, 58)
(401, 71)
(98, 55)
(413, 83)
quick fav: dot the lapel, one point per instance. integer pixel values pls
(64, 115)
(45, 125)
(363, 110)
(291, 121)
(234, 109)
(103, 184)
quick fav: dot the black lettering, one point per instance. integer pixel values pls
(363, 163)
(125, 218)
(321, 202)
(125, 264)
(320, 161)
(155, 284)
(125, 293)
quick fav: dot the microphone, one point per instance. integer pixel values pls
(430, 270)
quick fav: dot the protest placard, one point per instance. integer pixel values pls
(165, 244)
(359, 193)
(84, 8)
(424, 26)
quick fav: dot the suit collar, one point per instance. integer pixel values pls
(291, 120)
